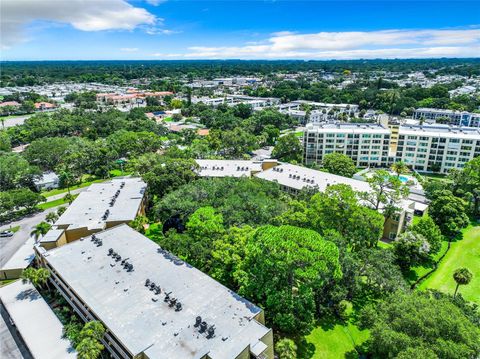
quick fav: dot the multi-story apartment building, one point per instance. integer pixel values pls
(151, 303)
(367, 144)
(437, 148)
(456, 118)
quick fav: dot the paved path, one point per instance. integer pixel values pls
(15, 121)
(9, 245)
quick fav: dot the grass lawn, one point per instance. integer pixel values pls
(168, 119)
(331, 340)
(113, 173)
(462, 253)
(51, 204)
(299, 134)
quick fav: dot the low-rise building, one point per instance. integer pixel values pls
(451, 117)
(152, 304)
(102, 205)
(49, 180)
(232, 168)
(35, 322)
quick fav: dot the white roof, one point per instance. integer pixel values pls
(299, 177)
(138, 317)
(47, 177)
(353, 128)
(442, 131)
(38, 325)
(22, 257)
(89, 207)
(228, 168)
(52, 235)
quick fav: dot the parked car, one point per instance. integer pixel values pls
(6, 234)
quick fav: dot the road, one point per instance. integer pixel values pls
(9, 245)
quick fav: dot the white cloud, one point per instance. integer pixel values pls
(351, 45)
(85, 15)
(155, 2)
(157, 31)
(129, 49)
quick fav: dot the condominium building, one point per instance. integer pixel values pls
(367, 144)
(437, 148)
(293, 179)
(232, 168)
(102, 205)
(456, 118)
(152, 304)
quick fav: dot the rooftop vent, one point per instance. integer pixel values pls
(203, 326)
(178, 306)
(152, 285)
(211, 331)
(147, 282)
(122, 184)
(167, 297)
(158, 290)
(172, 302)
(198, 320)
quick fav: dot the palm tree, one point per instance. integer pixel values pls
(462, 276)
(68, 198)
(399, 168)
(61, 210)
(40, 230)
(51, 217)
(38, 277)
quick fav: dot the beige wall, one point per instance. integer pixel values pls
(13, 273)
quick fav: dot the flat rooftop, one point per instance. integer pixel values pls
(52, 235)
(443, 131)
(299, 177)
(353, 128)
(228, 168)
(38, 325)
(22, 257)
(141, 319)
(89, 207)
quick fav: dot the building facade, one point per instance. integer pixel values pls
(437, 148)
(367, 144)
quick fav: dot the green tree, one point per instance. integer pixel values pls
(40, 230)
(339, 164)
(139, 223)
(286, 349)
(427, 228)
(284, 269)
(399, 168)
(448, 212)
(51, 217)
(38, 277)
(288, 149)
(15, 172)
(411, 248)
(462, 276)
(396, 322)
(5, 142)
(89, 348)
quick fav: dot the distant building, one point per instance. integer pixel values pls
(10, 103)
(44, 106)
(49, 180)
(35, 322)
(152, 304)
(103, 205)
(451, 117)
(232, 168)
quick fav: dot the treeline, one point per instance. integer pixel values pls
(20, 73)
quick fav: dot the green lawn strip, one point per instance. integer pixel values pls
(299, 134)
(14, 229)
(417, 272)
(51, 204)
(331, 339)
(6, 281)
(384, 245)
(113, 173)
(462, 253)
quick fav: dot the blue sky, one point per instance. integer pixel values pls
(156, 29)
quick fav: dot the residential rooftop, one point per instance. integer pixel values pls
(299, 177)
(442, 131)
(141, 319)
(228, 168)
(38, 325)
(347, 128)
(89, 208)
